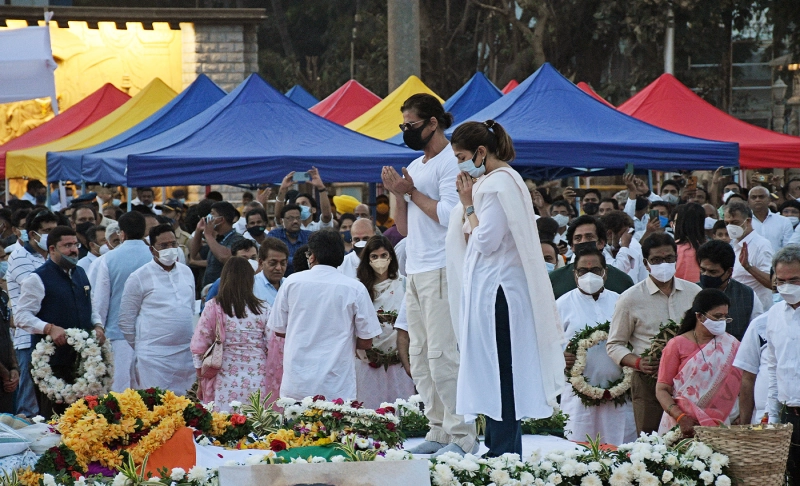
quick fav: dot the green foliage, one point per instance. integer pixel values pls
(262, 418)
(553, 425)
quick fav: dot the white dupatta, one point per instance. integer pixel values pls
(518, 207)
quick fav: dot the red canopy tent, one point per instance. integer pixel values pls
(82, 114)
(591, 92)
(347, 103)
(510, 86)
(668, 104)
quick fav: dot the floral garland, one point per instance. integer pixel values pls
(378, 358)
(617, 391)
(95, 368)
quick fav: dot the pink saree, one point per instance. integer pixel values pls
(707, 385)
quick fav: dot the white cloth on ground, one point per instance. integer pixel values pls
(615, 424)
(503, 250)
(321, 314)
(156, 318)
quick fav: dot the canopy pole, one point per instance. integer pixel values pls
(373, 195)
(130, 196)
(650, 180)
(49, 206)
(577, 184)
(163, 194)
(6, 191)
(62, 194)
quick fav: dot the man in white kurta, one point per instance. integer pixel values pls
(319, 356)
(156, 317)
(579, 309)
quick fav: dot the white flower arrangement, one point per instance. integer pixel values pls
(95, 368)
(593, 395)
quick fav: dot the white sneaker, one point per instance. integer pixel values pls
(427, 447)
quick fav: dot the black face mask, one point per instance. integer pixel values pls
(591, 208)
(256, 231)
(583, 246)
(10, 240)
(709, 282)
(413, 138)
(82, 228)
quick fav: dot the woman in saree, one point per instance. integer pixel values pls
(697, 382)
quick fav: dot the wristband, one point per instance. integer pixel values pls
(638, 362)
(325, 189)
(678, 420)
(670, 408)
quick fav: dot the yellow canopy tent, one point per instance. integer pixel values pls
(32, 162)
(383, 120)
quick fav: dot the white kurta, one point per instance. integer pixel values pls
(615, 424)
(503, 250)
(156, 318)
(377, 385)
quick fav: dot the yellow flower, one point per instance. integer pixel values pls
(29, 478)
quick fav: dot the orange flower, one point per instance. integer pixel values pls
(237, 419)
(91, 401)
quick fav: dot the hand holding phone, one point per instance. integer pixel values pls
(301, 177)
(691, 183)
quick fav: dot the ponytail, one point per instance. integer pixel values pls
(704, 301)
(471, 135)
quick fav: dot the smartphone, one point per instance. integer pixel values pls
(726, 172)
(629, 168)
(762, 178)
(579, 192)
(691, 183)
(301, 177)
(209, 217)
(653, 214)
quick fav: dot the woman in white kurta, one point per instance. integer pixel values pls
(589, 305)
(508, 328)
(380, 376)
(157, 316)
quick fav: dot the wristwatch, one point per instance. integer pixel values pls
(407, 196)
(470, 211)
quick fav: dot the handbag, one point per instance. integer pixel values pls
(212, 358)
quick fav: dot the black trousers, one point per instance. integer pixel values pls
(506, 435)
(47, 407)
(793, 464)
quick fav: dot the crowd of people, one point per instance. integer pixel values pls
(466, 293)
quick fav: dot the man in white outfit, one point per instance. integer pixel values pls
(426, 194)
(156, 317)
(361, 231)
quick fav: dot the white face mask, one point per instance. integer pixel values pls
(794, 220)
(42, 241)
(168, 256)
(790, 293)
(734, 231)
(709, 224)
(590, 283)
(671, 198)
(561, 219)
(716, 328)
(104, 249)
(663, 272)
(550, 266)
(254, 264)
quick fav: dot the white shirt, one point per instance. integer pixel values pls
(86, 262)
(321, 314)
(775, 228)
(400, 251)
(349, 266)
(759, 254)
(639, 225)
(21, 263)
(436, 178)
(157, 319)
(628, 260)
(30, 303)
(795, 239)
(751, 358)
(783, 358)
(317, 225)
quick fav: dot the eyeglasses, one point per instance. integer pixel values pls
(70, 246)
(791, 281)
(727, 320)
(659, 260)
(164, 246)
(292, 218)
(595, 270)
(410, 125)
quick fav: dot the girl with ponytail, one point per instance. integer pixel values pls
(500, 297)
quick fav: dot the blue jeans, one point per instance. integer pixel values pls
(26, 398)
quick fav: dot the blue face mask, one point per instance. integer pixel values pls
(305, 212)
(550, 266)
(3, 269)
(776, 297)
(468, 166)
(664, 221)
(116, 202)
(23, 235)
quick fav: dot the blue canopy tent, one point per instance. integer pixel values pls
(475, 95)
(556, 126)
(299, 95)
(70, 166)
(257, 135)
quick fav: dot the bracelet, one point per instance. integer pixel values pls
(636, 365)
(670, 408)
(678, 420)
(325, 189)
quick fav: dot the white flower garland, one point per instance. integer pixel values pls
(95, 369)
(582, 387)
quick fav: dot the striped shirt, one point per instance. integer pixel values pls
(21, 263)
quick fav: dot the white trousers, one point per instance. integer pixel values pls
(123, 365)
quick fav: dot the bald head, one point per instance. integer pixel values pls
(711, 211)
(362, 211)
(362, 230)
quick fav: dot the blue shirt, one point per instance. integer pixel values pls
(302, 239)
(262, 289)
